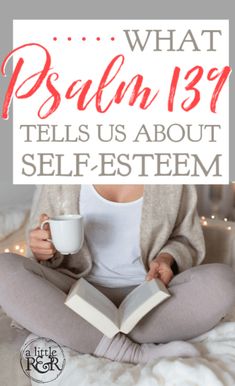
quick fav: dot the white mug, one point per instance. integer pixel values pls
(67, 232)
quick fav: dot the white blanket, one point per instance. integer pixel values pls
(215, 366)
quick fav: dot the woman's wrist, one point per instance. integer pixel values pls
(39, 259)
(166, 258)
(169, 260)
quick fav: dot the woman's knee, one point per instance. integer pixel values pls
(218, 281)
(9, 264)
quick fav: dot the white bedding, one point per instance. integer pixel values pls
(215, 366)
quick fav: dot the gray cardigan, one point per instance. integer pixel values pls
(169, 223)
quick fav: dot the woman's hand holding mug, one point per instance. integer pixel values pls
(63, 233)
(38, 241)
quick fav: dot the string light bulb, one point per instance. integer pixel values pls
(20, 248)
(205, 223)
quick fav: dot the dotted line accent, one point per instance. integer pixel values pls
(98, 38)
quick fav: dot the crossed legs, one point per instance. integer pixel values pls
(201, 297)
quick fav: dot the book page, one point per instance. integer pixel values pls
(140, 301)
(86, 291)
(92, 315)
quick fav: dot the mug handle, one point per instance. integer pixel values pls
(42, 225)
(83, 236)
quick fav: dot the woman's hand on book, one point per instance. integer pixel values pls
(160, 268)
(41, 248)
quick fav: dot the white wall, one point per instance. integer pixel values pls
(11, 195)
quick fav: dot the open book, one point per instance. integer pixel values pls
(97, 309)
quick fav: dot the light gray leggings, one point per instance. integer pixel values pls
(201, 297)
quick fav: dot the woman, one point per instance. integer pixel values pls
(132, 233)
